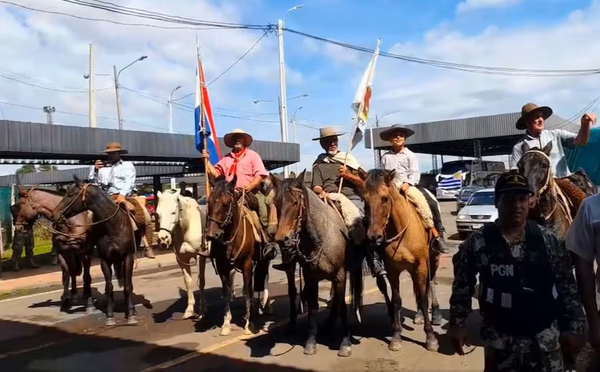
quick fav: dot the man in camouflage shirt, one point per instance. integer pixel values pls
(527, 292)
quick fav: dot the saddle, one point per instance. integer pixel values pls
(350, 215)
(134, 206)
(569, 195)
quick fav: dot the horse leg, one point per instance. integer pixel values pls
(383, 289)
(265, 303)
(292, 293)
(248, 294)
(202, 284)
(65, 301)
(396, 342)
(421, 276)
(87, 284)
(340, 299)
(130, 313)
(311, 293)
(183, 259)
(227, 282)
(436, 314)
(108, 292)
(419, 316)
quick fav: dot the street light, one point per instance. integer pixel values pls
(171, 109)
(117, 74)
(289, 99)
(294, 126)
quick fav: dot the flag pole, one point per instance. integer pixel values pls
(202, 123)
(361, 107)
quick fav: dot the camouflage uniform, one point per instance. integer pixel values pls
(23, 239)
(506, 352)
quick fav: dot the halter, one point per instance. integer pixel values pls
(176, 223)
(229, 220)
(83, 194)
(298, 229)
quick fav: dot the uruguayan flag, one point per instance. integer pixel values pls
(453, 182)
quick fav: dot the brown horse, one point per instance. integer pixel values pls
(556, 207)
(71, 239)
(395, 224)
(234, 247)
(318, 236)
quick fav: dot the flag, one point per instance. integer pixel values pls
(362, 98)
(453, 182)
(202, 95)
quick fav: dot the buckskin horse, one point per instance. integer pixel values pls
(72, 241)
(234, 246)
(319, 236)
(395, 224)
(117, 240)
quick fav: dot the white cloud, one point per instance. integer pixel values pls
(469, 5)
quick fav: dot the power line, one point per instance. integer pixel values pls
(47, 88)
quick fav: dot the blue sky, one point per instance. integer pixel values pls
(550, 34)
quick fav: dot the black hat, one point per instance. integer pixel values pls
(512, 182)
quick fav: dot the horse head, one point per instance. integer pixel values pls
(291, 202)
(76, 200)
(535, 165)
(168, 214)
(581, 180)
(220, 207)
(377, 190)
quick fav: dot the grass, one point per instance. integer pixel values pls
(40, 248)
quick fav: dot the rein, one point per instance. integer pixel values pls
(298, 229)
(83, 194)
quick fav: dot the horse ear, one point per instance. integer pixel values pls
(362, 174)
(548, 148)
(389, 176)
(274, 180)
(300, 178)
(78, 181)
(525, 147)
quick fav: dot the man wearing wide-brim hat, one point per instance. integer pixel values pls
(118, 180)
(250, 170)
(405, 165)
(532, 120)
(327, 173)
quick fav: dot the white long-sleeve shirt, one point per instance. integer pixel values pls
(406, 165)
(120, 178)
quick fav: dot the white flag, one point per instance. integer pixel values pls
(362, 98)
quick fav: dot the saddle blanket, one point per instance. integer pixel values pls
(351, 216)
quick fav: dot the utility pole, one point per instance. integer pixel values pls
(170, 104)
(49, 110)
(118, 99)
(377, 159)
(92, 93)
(293, 122)
(283, 120)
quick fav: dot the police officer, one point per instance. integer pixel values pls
(23, 238)
(527, 291)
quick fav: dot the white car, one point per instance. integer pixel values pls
(480, 209)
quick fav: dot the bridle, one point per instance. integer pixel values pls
(83, 194)
(176, 223)
(387, 220)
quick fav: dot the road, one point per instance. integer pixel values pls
(35, 336)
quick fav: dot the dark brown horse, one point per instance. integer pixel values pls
(117, 241)
(234, 247)
(318, 235)
(71, 239)
(395, 224)
(554, 207)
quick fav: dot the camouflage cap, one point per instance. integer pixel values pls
(512, 182)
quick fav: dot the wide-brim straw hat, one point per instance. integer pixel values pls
(229, 138)
(328, 132)
(389, 133)
(114, 147)
(530, 109)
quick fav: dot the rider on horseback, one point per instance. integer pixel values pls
(407, 176)
(247, 165)
(532, 120)
(327, 173)
(118, 181)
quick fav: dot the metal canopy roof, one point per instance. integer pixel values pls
(22, 140)
(496, 133)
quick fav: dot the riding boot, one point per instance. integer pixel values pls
(32, 263)
(375, 262)
(16, 266)
(149, 252)
(288, 260)
(439, 242)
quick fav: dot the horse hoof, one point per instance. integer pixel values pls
(248, 331)
(395, 345)
(132, 320)
(345, 351)
(188, 314)
(432, 345)
(110, 322)
(418, 320)
(266, 310)
(90, 310)
(436, 319)
(310, 349)
(65, 308)
(225, 331)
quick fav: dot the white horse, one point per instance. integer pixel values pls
(181, 227)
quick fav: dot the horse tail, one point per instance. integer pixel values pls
(356, 290)
(118, 267)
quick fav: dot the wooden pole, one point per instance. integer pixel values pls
(356, 123)
(204, 139)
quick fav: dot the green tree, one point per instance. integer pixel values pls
(47, 168)
(27, 168)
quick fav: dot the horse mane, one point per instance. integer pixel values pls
(52, 192)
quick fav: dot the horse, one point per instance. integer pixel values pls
(395, 224)
(72, 240)
(181, 227)
(117, 240)
(556, 207)
(320, 237)
(581, 180)
(235, 246)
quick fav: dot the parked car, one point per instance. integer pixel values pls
(480, 209)
(464, 195)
